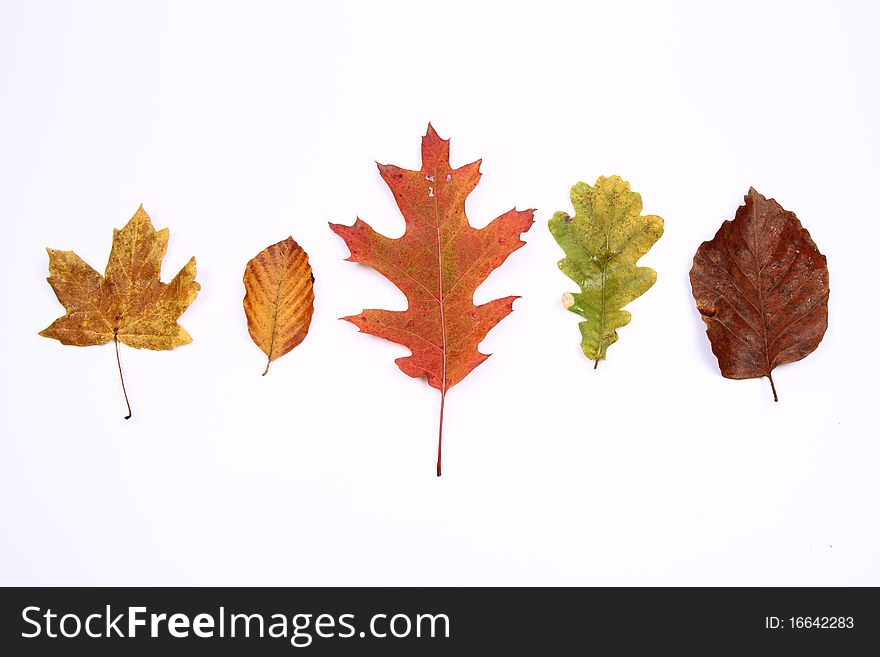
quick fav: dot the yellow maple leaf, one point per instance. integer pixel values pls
(129, 303)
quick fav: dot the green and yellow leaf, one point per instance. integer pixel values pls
(602, 243)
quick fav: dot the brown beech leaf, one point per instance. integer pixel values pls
(279, 298)
(438, 264)
(761, 287)
(129, 303)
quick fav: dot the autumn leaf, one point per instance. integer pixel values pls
(602, 243)
(438, 264)
(128, 304)
(278, 300)
(761, 287)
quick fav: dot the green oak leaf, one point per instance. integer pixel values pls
(602, 243)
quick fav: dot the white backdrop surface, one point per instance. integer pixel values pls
(237, 124)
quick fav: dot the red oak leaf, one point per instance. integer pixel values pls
(438, 264)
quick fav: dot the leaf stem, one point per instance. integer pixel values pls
(596, 363)
(268, 362)
(440, 433)
(121, 379)
(773, 387)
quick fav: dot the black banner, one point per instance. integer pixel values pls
(434, 621)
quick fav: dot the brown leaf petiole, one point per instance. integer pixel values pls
(773, 388)
(121, 379)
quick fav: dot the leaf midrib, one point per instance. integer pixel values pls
(759, 285)
(604, 270)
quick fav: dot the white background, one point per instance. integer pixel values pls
(239, 124)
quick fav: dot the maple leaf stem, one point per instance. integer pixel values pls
(440, 432)
(773, 388)
(596, 364)
(121, 378)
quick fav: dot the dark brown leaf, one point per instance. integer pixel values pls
(761, 286)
